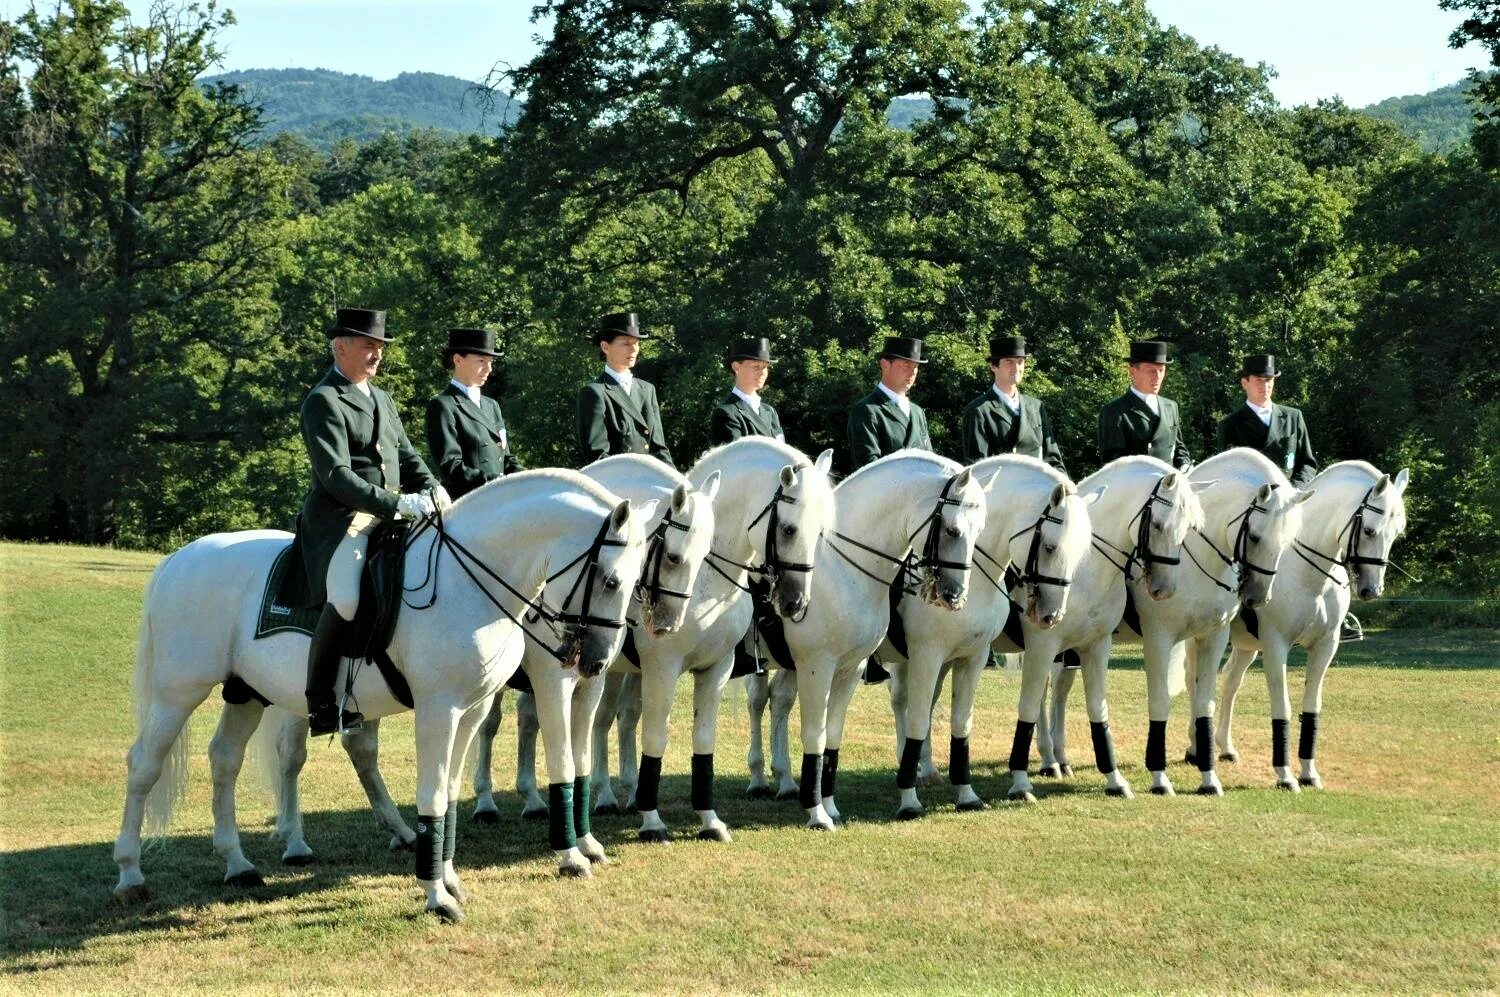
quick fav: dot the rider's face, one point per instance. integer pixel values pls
(358, 357)
(472, 369)
(1008, 372)
(1258, 389)
(750, 375)
(1147, 377)
(620, 352)
(898, 375)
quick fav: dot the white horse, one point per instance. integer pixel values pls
(508, 537)
(563, 701)
(773, 507)
(1036, 519)
(1140, 521)
(1250, 518)
(910, 504)
(1345, 545)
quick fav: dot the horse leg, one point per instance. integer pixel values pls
(898, 692)
(1095, 659)
(921, 681)
(1043, 732)
(966, 674)
(1060, 683)
(845, 684)
(814, 686)
(1319, 657)
(1157, 651)
(708, 690)
(1274, 656)
(226, 753)
(158, 752)
(468, 725)
(757, 698)
(627, 720)
(605, 712)
(1202, 662)
(927, 773)
(586, 695)
(657, 685)
(1034, 665)
(437, 729)
(1240, 661)
(291, 756)
(485, 811)
(551, 705)
(528, 726)
(783, 695)
(363, 749)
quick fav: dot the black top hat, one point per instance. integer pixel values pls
(480, 341)
(1259, 365)
(1148, 351)
(619, 324)
(903, 348)
(1007, 346)
(750, 349)
(359, 322)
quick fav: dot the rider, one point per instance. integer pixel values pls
(617, 411)
(466, 433)
(1278, 431)
(885, 420)
(1141, 421)
(1002, 420)
(743, 412)
(364, 470)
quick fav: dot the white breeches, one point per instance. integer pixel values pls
(348, 563)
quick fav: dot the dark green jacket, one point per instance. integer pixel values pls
(1284, 441)
(1127, 426)
(877, 428)
(611, 422)
(468, 443)
(362, 461)
(733, 418)
(990, 427)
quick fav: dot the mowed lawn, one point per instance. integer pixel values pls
(1388, 880)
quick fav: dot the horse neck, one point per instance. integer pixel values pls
(1014, 504)
(743, 494)
(1326, 515)
(1224, 503)
(864, 506)
(1112, 515)
(516, 528)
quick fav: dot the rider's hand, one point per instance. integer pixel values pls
(441, 500)
(414, 505)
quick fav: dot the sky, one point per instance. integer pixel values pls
(1361, 50)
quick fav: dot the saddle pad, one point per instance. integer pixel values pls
(1251, 621)
(769, 626)
(280, 608)
(896, 628)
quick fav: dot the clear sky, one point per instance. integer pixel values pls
(1362, 50)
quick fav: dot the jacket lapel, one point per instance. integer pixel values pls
(1135, 403)
(352, 396)
(474, 412)
(625, 400)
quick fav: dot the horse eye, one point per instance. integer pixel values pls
(674, 558)
(612, 582)
(952, 531)
(789, 530)
(1255, 538)
(1050, 548)
(1369, 531)
(1156, 527)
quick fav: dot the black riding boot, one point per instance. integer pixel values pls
(322, 675)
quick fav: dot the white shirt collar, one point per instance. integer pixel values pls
(363, 387)
(1152, 401)
(472, 390)
(1013, 403)
(623, 378)
(902, 402)
(1263, 413)
(752, 400)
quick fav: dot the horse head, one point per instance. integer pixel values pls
(1055, 548)
(1269, 526)
(800, 511)
(601, 590)
(1163, 523)
(1373, 528)
(675, 550)
(952, 530)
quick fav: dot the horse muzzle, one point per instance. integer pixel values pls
(792, 595)
(597, 649)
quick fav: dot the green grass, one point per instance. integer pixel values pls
(1388, 880)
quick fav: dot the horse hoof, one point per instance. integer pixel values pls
(821, 826)
(1065, 770)
(655, 835)
(787, 794)
(1049, 772)
(1229, 756)
(607, 810)
(1210, 790)
(540, 814)
(1023, 796)
(575, 871)
(1163, 791)
(970, 806)
(1289, 786)
(296, 860)
(486, 817)
(131, 895)
(720, 834)
(456, 891)
(1120, 792)
(1311, 783)
(911, 813)
(449, 913)
(248, 879)
(759, 793)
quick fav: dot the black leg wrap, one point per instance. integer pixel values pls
(1278, 743)
(807, 791)
(1156, 747)
(649, 786)
(911, 755)
(1104, 746)
(1020, 746)
(1307, 742)
(582, 804)
(1203, 741)
(560, 836)
(450, 831)
(958, 761)
(830, 770)
(703, 782)
(429, 863)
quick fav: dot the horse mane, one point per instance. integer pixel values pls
(1030, 463)
(645, 463)
(946, 464)
(559, 475)
(788, 453)
(1367, 474)
(1245, 459)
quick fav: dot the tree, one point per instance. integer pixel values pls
(1482, 26)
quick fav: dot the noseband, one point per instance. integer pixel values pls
(1141, 553)
(1241, 558)
(1354, 528)
(649, 589)
(1031, 576)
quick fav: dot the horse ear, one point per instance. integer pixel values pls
(619, 517)
(710, 489)
(1203, 486)
(788, 476)
(824, 461)
(1058, 494)
(1095, 495)
(1380, 486)
(679, 498)
(1303, 496)
(990, 484)
(1264, 494)
(962, 478)
(1403, 478)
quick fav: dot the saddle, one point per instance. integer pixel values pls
(766, 628)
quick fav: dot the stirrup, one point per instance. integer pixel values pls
(1351, 629)
(331, 720)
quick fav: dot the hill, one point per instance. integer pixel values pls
(1439, 121)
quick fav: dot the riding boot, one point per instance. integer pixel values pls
(1351, 629)
(323, 657)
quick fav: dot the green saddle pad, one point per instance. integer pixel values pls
(280, 607)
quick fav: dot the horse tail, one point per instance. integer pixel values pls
(1177, 669)
(265, 754)
(171, 784)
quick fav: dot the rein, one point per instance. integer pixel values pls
(1241, 558)
(906, 566)
(1354, 527)
(774, 564)
(1031, 575)
(1141, 553)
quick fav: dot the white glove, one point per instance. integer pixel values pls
(441, 500)
(413, 505)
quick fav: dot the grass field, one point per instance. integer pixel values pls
(1388, 880)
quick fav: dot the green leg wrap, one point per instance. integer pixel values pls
(560, 817)
(583, 802)
(450, 831)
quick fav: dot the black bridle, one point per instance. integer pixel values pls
(771, 568)
(1241, 559)
(1354, 527)
(919, 573)
(649, 589)
(1031, 576)
(1141, 553)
